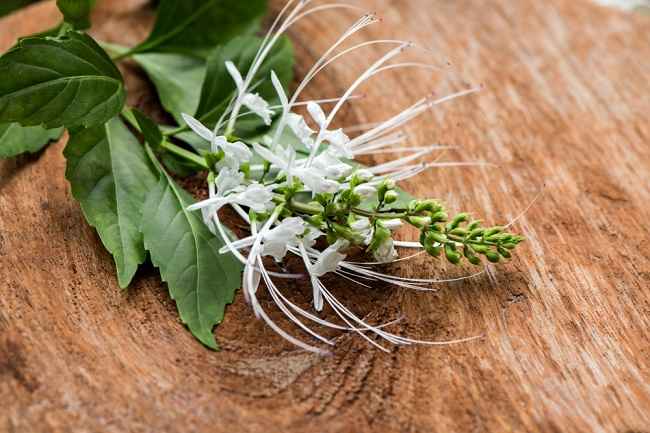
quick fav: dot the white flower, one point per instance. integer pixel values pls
(386, 251)
(328, 261)
(301, 129)
(361, 224)
(259, 106)
(252, 101)
(329, 165)
(310, 237)
(255, 196)
(229, 180)
(315, 182)
(363, 227)
(365, 190)
(337, 139)
(317, 114)
(234, 153)
(392, 224)
(279, 239)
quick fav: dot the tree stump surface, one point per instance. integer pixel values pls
(566, 323)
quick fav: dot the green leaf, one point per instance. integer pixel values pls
(8, 6)
(150, 130)
(177, 79)
(16, 139)
(196, 26)
(67, 81)
(76, 12)
(110, 177)
(219, 87)
(200, 280)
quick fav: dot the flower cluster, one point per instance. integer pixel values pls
(292, 193)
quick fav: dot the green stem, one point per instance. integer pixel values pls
(175, 131)
(122, 56)
(464, 241)
(183, 153)
(382, 215)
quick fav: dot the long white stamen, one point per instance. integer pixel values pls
(364, 21)
(319, 139)
(527, 208)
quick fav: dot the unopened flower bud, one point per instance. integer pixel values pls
(452, 255)
(458, 219)
(419, 221)
(429, 205)
(493, 256)
(439, 217)
(390, 197)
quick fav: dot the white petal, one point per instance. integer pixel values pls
(236, 76)
(361, 224)
(309, 239)
(239, 150)
(301, 129)
(200, 129)
(278, 239)
(340, 142)
(386, 251)
(331, 166)
(392, 224)
(259, 106)
(365, 190)
(315, 181)
(270, 156)
(255, 196)
(328, 261)
(228, 180)
(279, 89)
(317, 114)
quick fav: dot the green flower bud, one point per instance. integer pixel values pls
(493, 231)
(481, 249)
(474, 225)
(390, 197)
(475, 233)
(504, 253)
(383, 188)
(452, 254)
(419, 222)
(437, 237)
(458, 232)
(439, 217)
(316, 220)
(433, 250)
(429, 205)
(458, 219)
(493, 256)
(470, 255)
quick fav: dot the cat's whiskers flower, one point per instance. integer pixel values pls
(312, 189)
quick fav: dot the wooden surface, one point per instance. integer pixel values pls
(566, 323)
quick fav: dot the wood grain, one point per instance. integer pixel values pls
(566, 345)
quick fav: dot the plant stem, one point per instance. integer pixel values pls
(175, 131)
(382, 215)
(185, 154)
(122, 56)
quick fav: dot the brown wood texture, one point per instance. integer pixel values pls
(566, 323)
